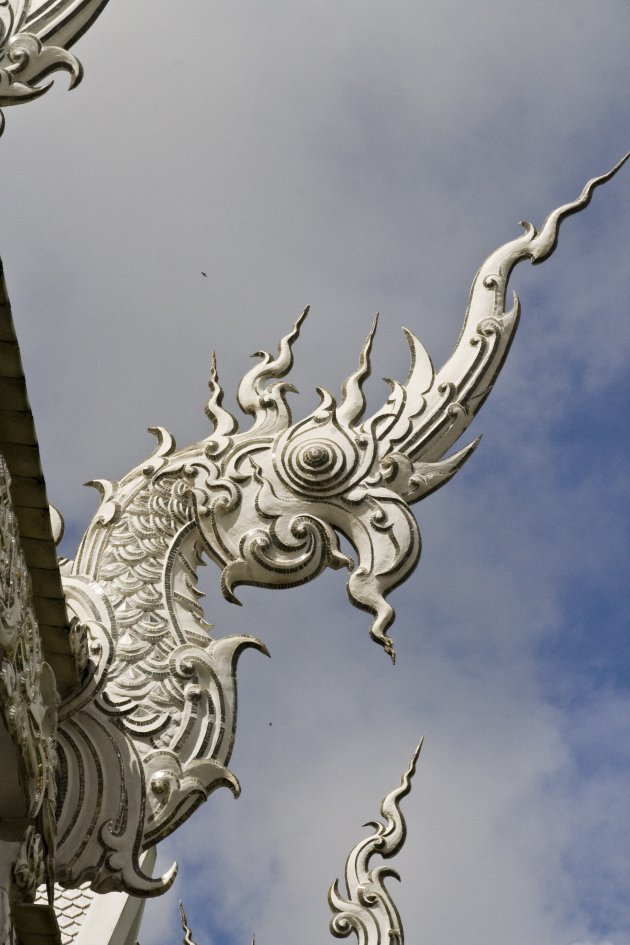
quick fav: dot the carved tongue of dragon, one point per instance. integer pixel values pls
(267, 505)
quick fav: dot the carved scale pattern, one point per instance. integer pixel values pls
(71, 906)
(132, 563)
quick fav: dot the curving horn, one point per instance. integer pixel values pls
(424, 417)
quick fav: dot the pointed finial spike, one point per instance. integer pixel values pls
(187, 940)
(223, 422)
(352, 396)
(267, 402)
(545, 242)
(411, 770)
(421, 371)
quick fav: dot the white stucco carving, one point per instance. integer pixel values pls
(34, 40)
(149, 734)
(366, 907)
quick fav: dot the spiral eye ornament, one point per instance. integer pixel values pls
(323, 460)
(314, 457)
(317, 465)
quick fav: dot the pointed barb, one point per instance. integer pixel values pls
(283, 362)
(405, 781)
(367, 908)
(267, 404)
(421, 371)
(545, 243)
(224, 424)
(426, 478)
(353, 399)
(393, 421)
(187, 940)
(164, 448)
(109, 509)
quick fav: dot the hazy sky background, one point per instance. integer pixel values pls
(364, 156)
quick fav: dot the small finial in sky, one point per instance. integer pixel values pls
(187, 940)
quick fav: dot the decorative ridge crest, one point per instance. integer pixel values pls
(367, 908)
(187, 940)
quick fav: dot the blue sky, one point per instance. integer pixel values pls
(364, 156)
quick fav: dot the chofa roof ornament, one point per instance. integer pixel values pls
(148, 734)
(35, 36)
(155, 721)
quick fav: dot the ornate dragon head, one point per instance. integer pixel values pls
(273, 501)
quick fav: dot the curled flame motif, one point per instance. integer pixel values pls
(34, 41)
(367, 909)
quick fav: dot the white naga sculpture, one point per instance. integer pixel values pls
(154, 721)
(146, 734)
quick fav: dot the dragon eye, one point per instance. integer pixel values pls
(319, 464)
(316, 456)
(316, 464)
(320, 457)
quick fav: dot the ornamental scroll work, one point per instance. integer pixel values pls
(149, 735)
(365, 906)
(34, 39)
(29, 700)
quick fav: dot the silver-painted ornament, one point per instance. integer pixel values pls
(149, 735)
(35, 36)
